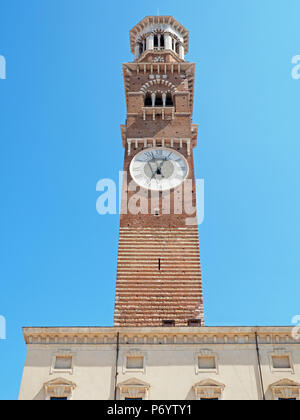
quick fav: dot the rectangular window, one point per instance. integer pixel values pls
(135, 362)
(281, 362)
(194, 323)
(168, 323)
(133, 399)
(207, 362)
(63, 363)
(209, 399)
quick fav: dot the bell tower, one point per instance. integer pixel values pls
(159, 275)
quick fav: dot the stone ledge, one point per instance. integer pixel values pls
(152, 335)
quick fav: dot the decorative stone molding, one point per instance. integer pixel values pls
(159, 59)
(166, 113)
(63, 354)
(135, 353)
(209, 390)
(134, 389)
(284, 354)
(59, 388)
(153, 84)
(204, 354)
(285, 389)
(164, 142)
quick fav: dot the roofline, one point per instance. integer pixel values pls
(51, 335)
(211, 327)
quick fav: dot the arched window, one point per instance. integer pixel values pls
(162, 41)
(141, 48)
(177, 48)
(148, 100)
(169, 101)
(155, 41)
(159, 101)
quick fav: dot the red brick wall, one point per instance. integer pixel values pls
(145, 295)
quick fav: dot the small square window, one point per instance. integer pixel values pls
(207, 363)
(281, 362)
(63, 363)
(168, 323)
(135, 362)
(194, 322)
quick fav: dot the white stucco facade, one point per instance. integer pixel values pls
(161, 363)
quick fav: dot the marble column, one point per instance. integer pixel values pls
(168, 42)
(150, 42)
(153, 97)
(137, 51)
(181, 51)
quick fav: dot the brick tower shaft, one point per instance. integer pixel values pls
(159, 275)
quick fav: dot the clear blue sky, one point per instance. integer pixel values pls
(60, 109)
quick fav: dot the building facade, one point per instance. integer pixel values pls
(159, 347)
(188, 363)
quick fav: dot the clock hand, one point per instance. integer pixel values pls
(153, 173)
(159, 168)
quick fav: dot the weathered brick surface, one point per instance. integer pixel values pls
(148, 294)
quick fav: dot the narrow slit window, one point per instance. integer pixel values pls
(159, 264)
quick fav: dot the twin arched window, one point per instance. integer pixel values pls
(159, 99)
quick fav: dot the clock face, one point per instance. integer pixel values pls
(159, 169)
